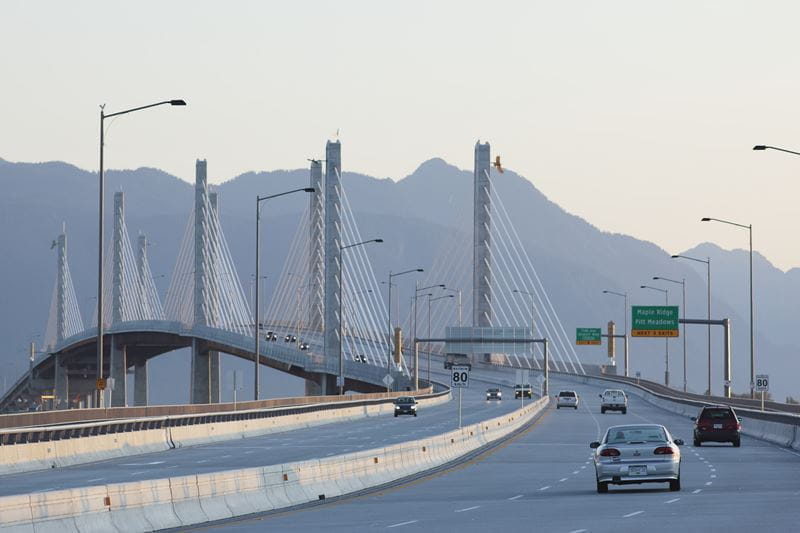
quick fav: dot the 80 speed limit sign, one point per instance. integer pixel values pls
(762, 382)
(459, 376)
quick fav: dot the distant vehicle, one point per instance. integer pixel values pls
(290, 338)
(637, 453)
(494, 394)
(567, 398)
(717, 424)
(613, 400)
(405, 405)
(304, 346)
(360, 358)
(523, 391)
(270, 336)
(457, 359)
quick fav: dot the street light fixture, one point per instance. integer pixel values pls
(257, 325)
(767, 147)
(430, 300)
(102, 175)
(682, 283)
(707, 261)
(749, 228)
(666, 340)
(341, 304)
(389, 344)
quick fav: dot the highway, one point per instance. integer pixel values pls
(277, 448)
(544, 481)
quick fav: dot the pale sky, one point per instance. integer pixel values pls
(637, 115)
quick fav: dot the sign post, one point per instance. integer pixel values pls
(459, 379)
(587, 336)
(654, 321)
(762, 385)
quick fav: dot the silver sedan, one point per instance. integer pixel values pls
(637, 453)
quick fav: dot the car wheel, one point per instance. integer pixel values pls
(602, 487)
(737, 443)
(625, 411)
(697, 443)
(558, 407)
(415, 414)
(675, 484)
(576, 407)
(395, 415)
(602, 410)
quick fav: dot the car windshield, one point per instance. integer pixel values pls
(717, 414)
(566, 394)
(405, 399)
(635, 434)
(493, 390)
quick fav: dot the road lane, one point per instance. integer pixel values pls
(519, 485)
(319, 441)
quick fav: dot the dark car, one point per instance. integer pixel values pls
(270, 336)
(717, 424)
(304, 346)
(494, 394)
(460, 359)
(523, 391)
(290, 338)
(405, 405)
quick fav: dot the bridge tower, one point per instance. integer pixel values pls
(119, 300)
(140, 386)
(205, 297)
(316, 252)
(482, 258)
(61, 378)
(333, 256)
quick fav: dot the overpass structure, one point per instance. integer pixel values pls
(205, 308)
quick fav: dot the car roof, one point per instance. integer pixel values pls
(635, 426)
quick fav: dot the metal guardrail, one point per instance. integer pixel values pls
(24, 435)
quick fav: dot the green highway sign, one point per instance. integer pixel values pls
(587, 336)
(654, 321)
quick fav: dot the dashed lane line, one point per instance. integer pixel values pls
(467, 509)
(545, 487)
(673, 500)
(517, 497)
(563, 479)
(697, 491)
(632, 514)
(709, 483)
(403, 523)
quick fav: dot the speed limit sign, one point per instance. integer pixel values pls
(459, 377)
(762, 382)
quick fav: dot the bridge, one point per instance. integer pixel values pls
(205, 308)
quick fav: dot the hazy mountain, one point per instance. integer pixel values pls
(417, 216)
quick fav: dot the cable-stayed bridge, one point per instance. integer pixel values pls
(325, 288)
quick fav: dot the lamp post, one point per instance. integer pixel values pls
(456, 291)
(533, 314)
(257, 312)
(749, 228)
(625, 318)
(707, 261)
(682, 283)
(666, 340)
(767, 147)
(341, 307)
(389, 344)
(430, 300)
(102, 175)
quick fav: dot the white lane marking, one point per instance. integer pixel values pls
(201, 461)
(673, 500)
(709, 483)
(632, 514)
(713, 475)
(788, 451)
(697, 491)
(225, 457)
(545, 487)
(579, 531)
(402, 523)
(563, 479)
(584, 466)
(517, 497)
(137, 473)
(95, 479)
(467, 509)
(44, 490)
(713, 469)
(575, 472)
(250, 451)
(143, 464)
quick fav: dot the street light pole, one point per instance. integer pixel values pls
(102, 175)
(429, 328)
(341, 308)
(391, 331)
(707, 261)
(257, 313)
(666, 340)
(749, 228)
(682, 283)
(625, 318)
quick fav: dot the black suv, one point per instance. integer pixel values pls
(717, 424)
(405, 405)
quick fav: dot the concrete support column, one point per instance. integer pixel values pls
(140, 398)
(321, 385)
(333, 241)
(316, 252)
(61, 383)
(119, 366)
(201, 373)
(213, 377)
(481, 261)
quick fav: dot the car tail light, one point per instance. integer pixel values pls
(663, 450)
(610, 452)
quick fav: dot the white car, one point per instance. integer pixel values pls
(567, 398)
(613, 400)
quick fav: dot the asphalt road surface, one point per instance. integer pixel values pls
(544, 481)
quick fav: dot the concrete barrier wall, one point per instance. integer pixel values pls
(187, 500)
(45, 455)
(783, 432)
